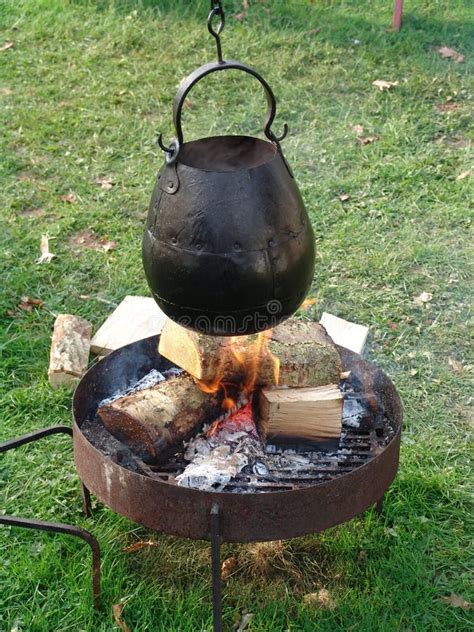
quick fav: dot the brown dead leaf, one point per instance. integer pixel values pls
(117, 610)
(314, 31)
(393, 326)
(344, 197)
(382, 85)
(88, 240)
(25, 175)
(449, 106)
(464, 174)
(27, 303)
(31, 211)
(6, 46)
(362, 557)
(456, 601)
(141, 544)
(241, 16)
(456, 366)
(69, 197)
(450, 53)
(228, 567)
(320, 599)
(6, 92)
(46, 256)
(308, 302)
(424, 297)
(367, 140)
(104, 182)
(357, 129)
(245, 5)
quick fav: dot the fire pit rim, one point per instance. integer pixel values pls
(245, 517)
(216, 494)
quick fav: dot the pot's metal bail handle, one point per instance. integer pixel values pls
(191, 80)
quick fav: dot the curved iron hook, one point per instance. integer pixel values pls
(171, 152)
(216, 9)
(278, 139)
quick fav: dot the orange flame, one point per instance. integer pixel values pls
(243, 357)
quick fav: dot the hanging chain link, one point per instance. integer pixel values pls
(216, 10)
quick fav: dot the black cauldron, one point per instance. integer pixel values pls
(228, 247)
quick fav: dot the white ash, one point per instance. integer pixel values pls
(215, 460)
(353, 412)
(149, 380)
(213, 469)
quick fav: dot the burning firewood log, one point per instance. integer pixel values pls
(294, 354)
(155, 421)
(303, 414)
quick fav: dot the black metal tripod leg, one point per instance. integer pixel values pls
(53, 526)
(69, 530)
(34, 436)
(216, 569)
(86, 500)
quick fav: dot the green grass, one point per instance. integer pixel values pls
(83, 91)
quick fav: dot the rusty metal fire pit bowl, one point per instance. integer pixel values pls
(223, 516)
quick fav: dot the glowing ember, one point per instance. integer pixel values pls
(239, 421)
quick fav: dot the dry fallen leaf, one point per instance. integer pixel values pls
(69, 197)
(88, 240)
(447, 107)
(456, 601)
(424, 297)
(464, 174)
(321, 599)
(241, 16)
(6, 92)
(308, 302)
(228, 567)
(393, 326)
(314, 31)
(27, 303)
(357, 129)
(381, 84)
(6, 46)
(46, 256)
(240, 627)
(450, 53)
(141, 544)
(367, 140)
(245, 5)
(117, 610)
(104, 182)
(456, 366)
(344, 197)
(32, 212)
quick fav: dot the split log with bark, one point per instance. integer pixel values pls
(70, 346)
(295, 354)
(154, 422)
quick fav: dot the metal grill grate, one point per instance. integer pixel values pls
(356, 448)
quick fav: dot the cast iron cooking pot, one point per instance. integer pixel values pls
(228, 247)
